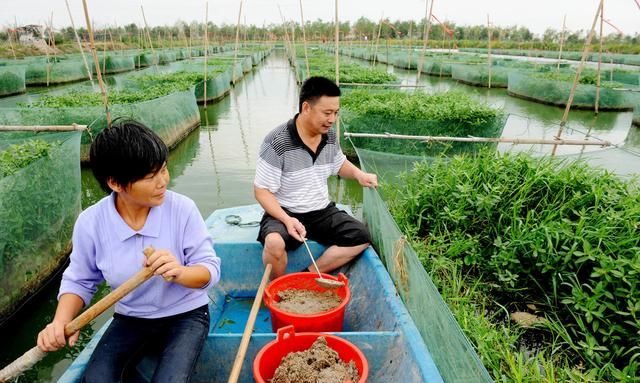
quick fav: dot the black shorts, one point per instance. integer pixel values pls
(329, 226)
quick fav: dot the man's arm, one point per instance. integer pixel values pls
(349, 170)
(271, 206)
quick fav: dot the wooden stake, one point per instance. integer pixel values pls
(206, 49)
(489, 49)
(103, 88)
(235, 52)
(337, 54)
(42, 128)
(304, 39)
(75, 33)
(146, 28)
(587, 46)
(564, 26)
(515, 141)
(599, 61)
(427, 28)
(337, 38)
(375, 48)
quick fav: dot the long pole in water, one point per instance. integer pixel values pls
(235, 52)
(304, 39)
(587, 45)
(75, 33)
(103, 88)
(206, 50)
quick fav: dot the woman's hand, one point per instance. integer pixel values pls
(52, 338)
(164, 263)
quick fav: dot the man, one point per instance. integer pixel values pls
(295, 161)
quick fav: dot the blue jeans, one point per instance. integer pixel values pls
(179, 339)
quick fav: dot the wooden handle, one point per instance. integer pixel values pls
(248, 329)
(33, 356)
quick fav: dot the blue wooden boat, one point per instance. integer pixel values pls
(376, 320)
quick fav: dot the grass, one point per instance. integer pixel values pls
(559, 234)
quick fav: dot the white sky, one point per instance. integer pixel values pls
(537, 15)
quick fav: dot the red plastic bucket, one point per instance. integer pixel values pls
(330, 321)
(270, 356)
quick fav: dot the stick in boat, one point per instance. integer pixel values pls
(34, 355)
(248, 329)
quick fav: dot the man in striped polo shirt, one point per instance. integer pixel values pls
(295, 161)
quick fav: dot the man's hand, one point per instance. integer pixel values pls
(368, 180)
(295, 228)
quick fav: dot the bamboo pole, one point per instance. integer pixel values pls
(337, 40)
(375, 47)
(598, 71)
(385, 85)
(515, 141)
(572, 93)
(146, 28)
(206, 49)
(235, 52)
(103, 88)
(427, 28)
(564, 26)
(42, 128)
(489, 49)
(104, 51)
(410, 44)
(337, 55)
(75, 33)
(15, 33)
(304, 39)
(46, 52)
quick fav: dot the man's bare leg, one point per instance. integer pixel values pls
(336, 256)
(274, 253)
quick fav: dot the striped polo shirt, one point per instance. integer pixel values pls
(295, 175)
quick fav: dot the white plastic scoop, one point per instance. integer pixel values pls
(324, 282)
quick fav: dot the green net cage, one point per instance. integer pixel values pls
(55, 72)
(145, 59)
(479, 75)
(112, 63)
(453, 353)
(555, 92)
(39, 204)
(12, 80)
(172, 117)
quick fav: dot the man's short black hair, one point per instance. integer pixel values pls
(126, 153)
(315, 87)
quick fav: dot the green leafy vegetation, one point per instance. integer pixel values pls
(18, 156)
(561, 235)
(586, 78)
(446, 106)
(148, 87)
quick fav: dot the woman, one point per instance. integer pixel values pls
(130, 161)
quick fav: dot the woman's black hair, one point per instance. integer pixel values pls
(126, 153)
(315, 87)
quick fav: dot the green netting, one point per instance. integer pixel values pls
(453, 353)
(115, 63)
(166, 57)
(12, 80)
(218, 81)
(55, 73)
(478, 75)
(145, 59)
(368, 123)
(38, 207)
(625, 77)
(557, 93)
(436, 68)
(636, 115)
(172, 117)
